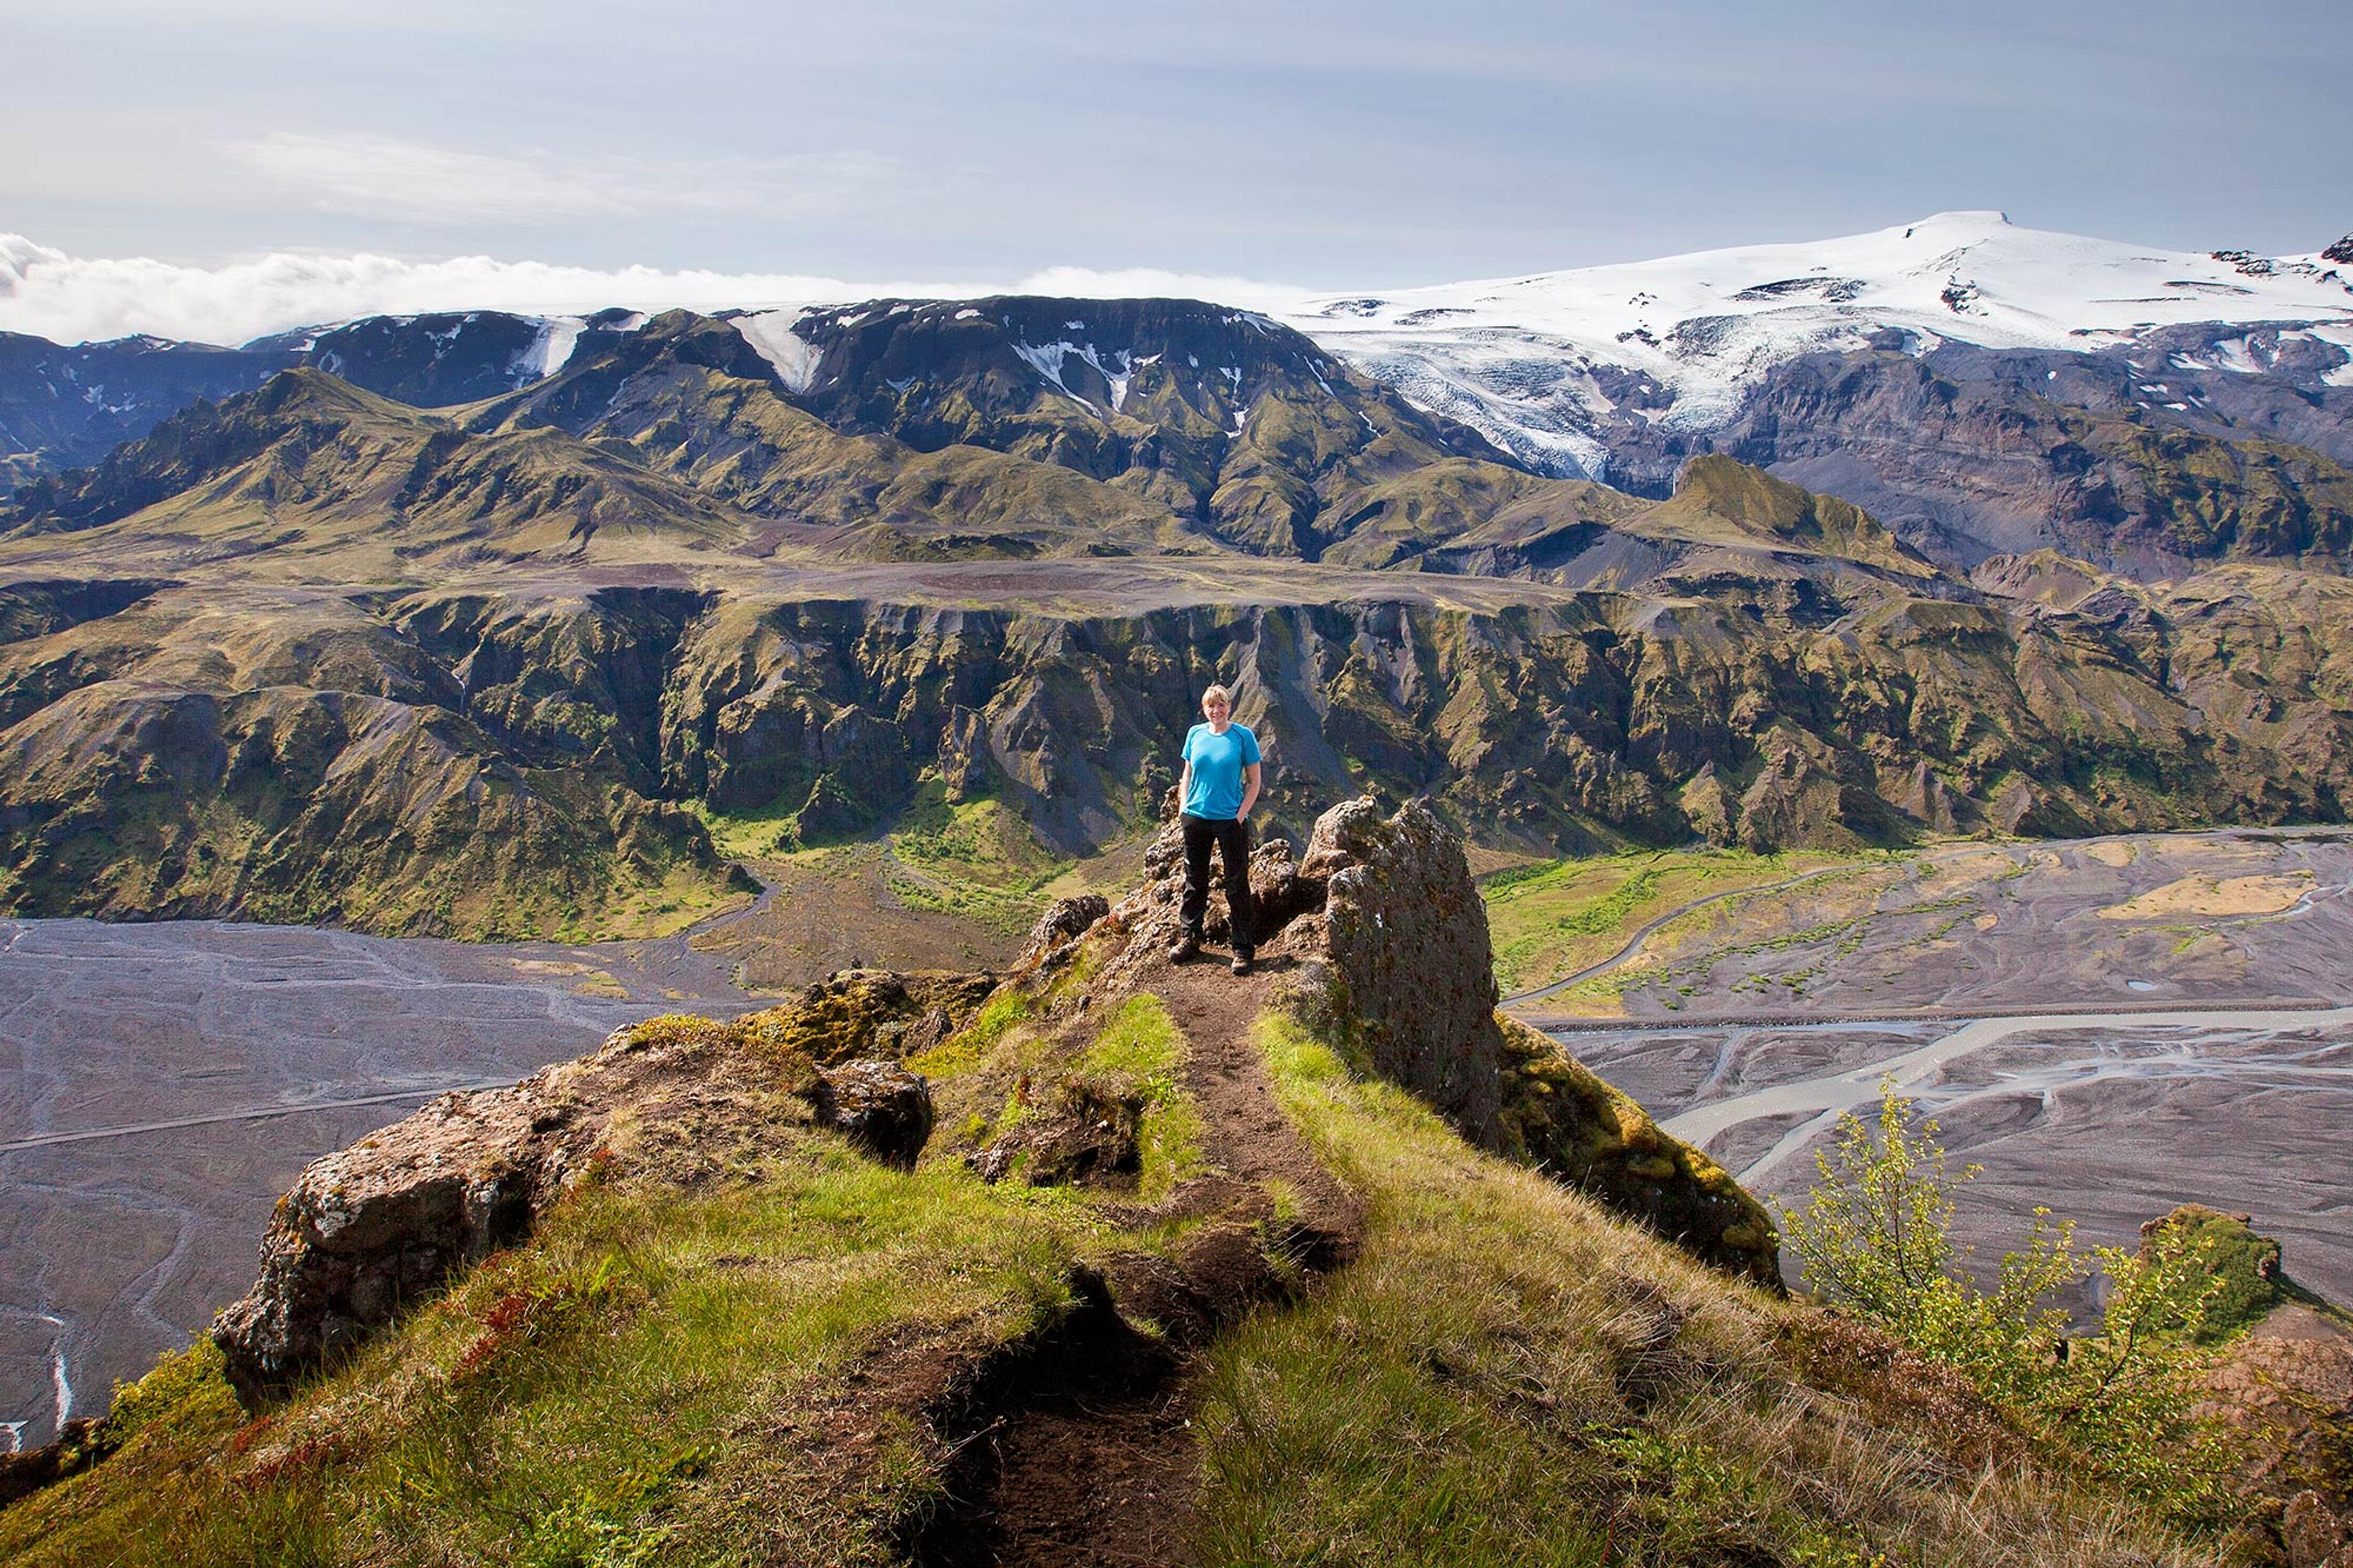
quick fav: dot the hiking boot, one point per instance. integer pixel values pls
(1186, 948)
(1241, 961)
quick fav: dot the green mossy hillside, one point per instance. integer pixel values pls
(747, 1346)
(1506, 1374)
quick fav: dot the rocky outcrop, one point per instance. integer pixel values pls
(1405, 935)
(1389, 940)
(879, 1106)
(1064, 921)
(2315, 1536)
(376, 1229)
(1379, 923)
(1558, 1116)
(80, 1443)
(2281, 1382)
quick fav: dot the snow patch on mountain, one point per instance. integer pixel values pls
(558, 335)
(1050, 360)
(771, 335)
(1525, 359)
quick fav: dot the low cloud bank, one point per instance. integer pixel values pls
(69, 298)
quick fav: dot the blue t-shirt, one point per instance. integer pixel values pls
(1217, 760)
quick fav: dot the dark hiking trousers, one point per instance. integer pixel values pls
(1232, 840)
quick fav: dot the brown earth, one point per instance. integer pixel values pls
(1094, 1460)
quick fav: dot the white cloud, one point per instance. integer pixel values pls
(69, 298)
(387, 177)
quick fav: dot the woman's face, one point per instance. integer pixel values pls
(1216, 710)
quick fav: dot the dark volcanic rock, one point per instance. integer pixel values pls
(1406, 938)
(879, 1106)
(1064, 921)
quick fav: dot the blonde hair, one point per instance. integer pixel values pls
(1220, 693)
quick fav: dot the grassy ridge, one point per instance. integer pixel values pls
(649, 1381)
(696, 1363)
(1506, 1375)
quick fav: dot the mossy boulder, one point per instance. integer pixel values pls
(1557, 1115)
(2241, 1267)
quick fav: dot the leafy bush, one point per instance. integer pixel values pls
(1875, 1238)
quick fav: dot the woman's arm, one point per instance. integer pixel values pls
(1184, 781)
(1249, 791)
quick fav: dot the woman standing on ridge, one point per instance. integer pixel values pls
(1220, 786)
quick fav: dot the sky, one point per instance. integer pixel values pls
(1365, 144)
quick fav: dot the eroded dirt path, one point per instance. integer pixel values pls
(1096, 1461)
(1249, 1134)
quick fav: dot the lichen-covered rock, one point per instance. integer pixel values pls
(371, 1230)
(867, 1013)
(1405, 937)
(374, 1229)
(1557, 1115)
(2281, 1382)
(1064, 921)
(2244, 1283)
(879, 1106)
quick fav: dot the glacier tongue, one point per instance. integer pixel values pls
(771, 334)
(1516, 358)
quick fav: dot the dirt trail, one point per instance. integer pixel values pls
(1094, 1460)
(1249, 1134)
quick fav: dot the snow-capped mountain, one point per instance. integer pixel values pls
(1979, 387)
(1545, 365)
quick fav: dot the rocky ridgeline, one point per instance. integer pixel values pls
(377, 1227)
(606, 616)
(1377, 925)
(1395, 962)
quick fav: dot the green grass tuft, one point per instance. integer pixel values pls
(1141, 1051)
(1504, 1374)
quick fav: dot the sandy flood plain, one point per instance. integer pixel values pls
(2108, 1027)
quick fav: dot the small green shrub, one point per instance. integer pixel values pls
(1876, 1238)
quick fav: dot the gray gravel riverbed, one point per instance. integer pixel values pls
(161, 1084)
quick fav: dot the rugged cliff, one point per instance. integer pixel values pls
(808, 570)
